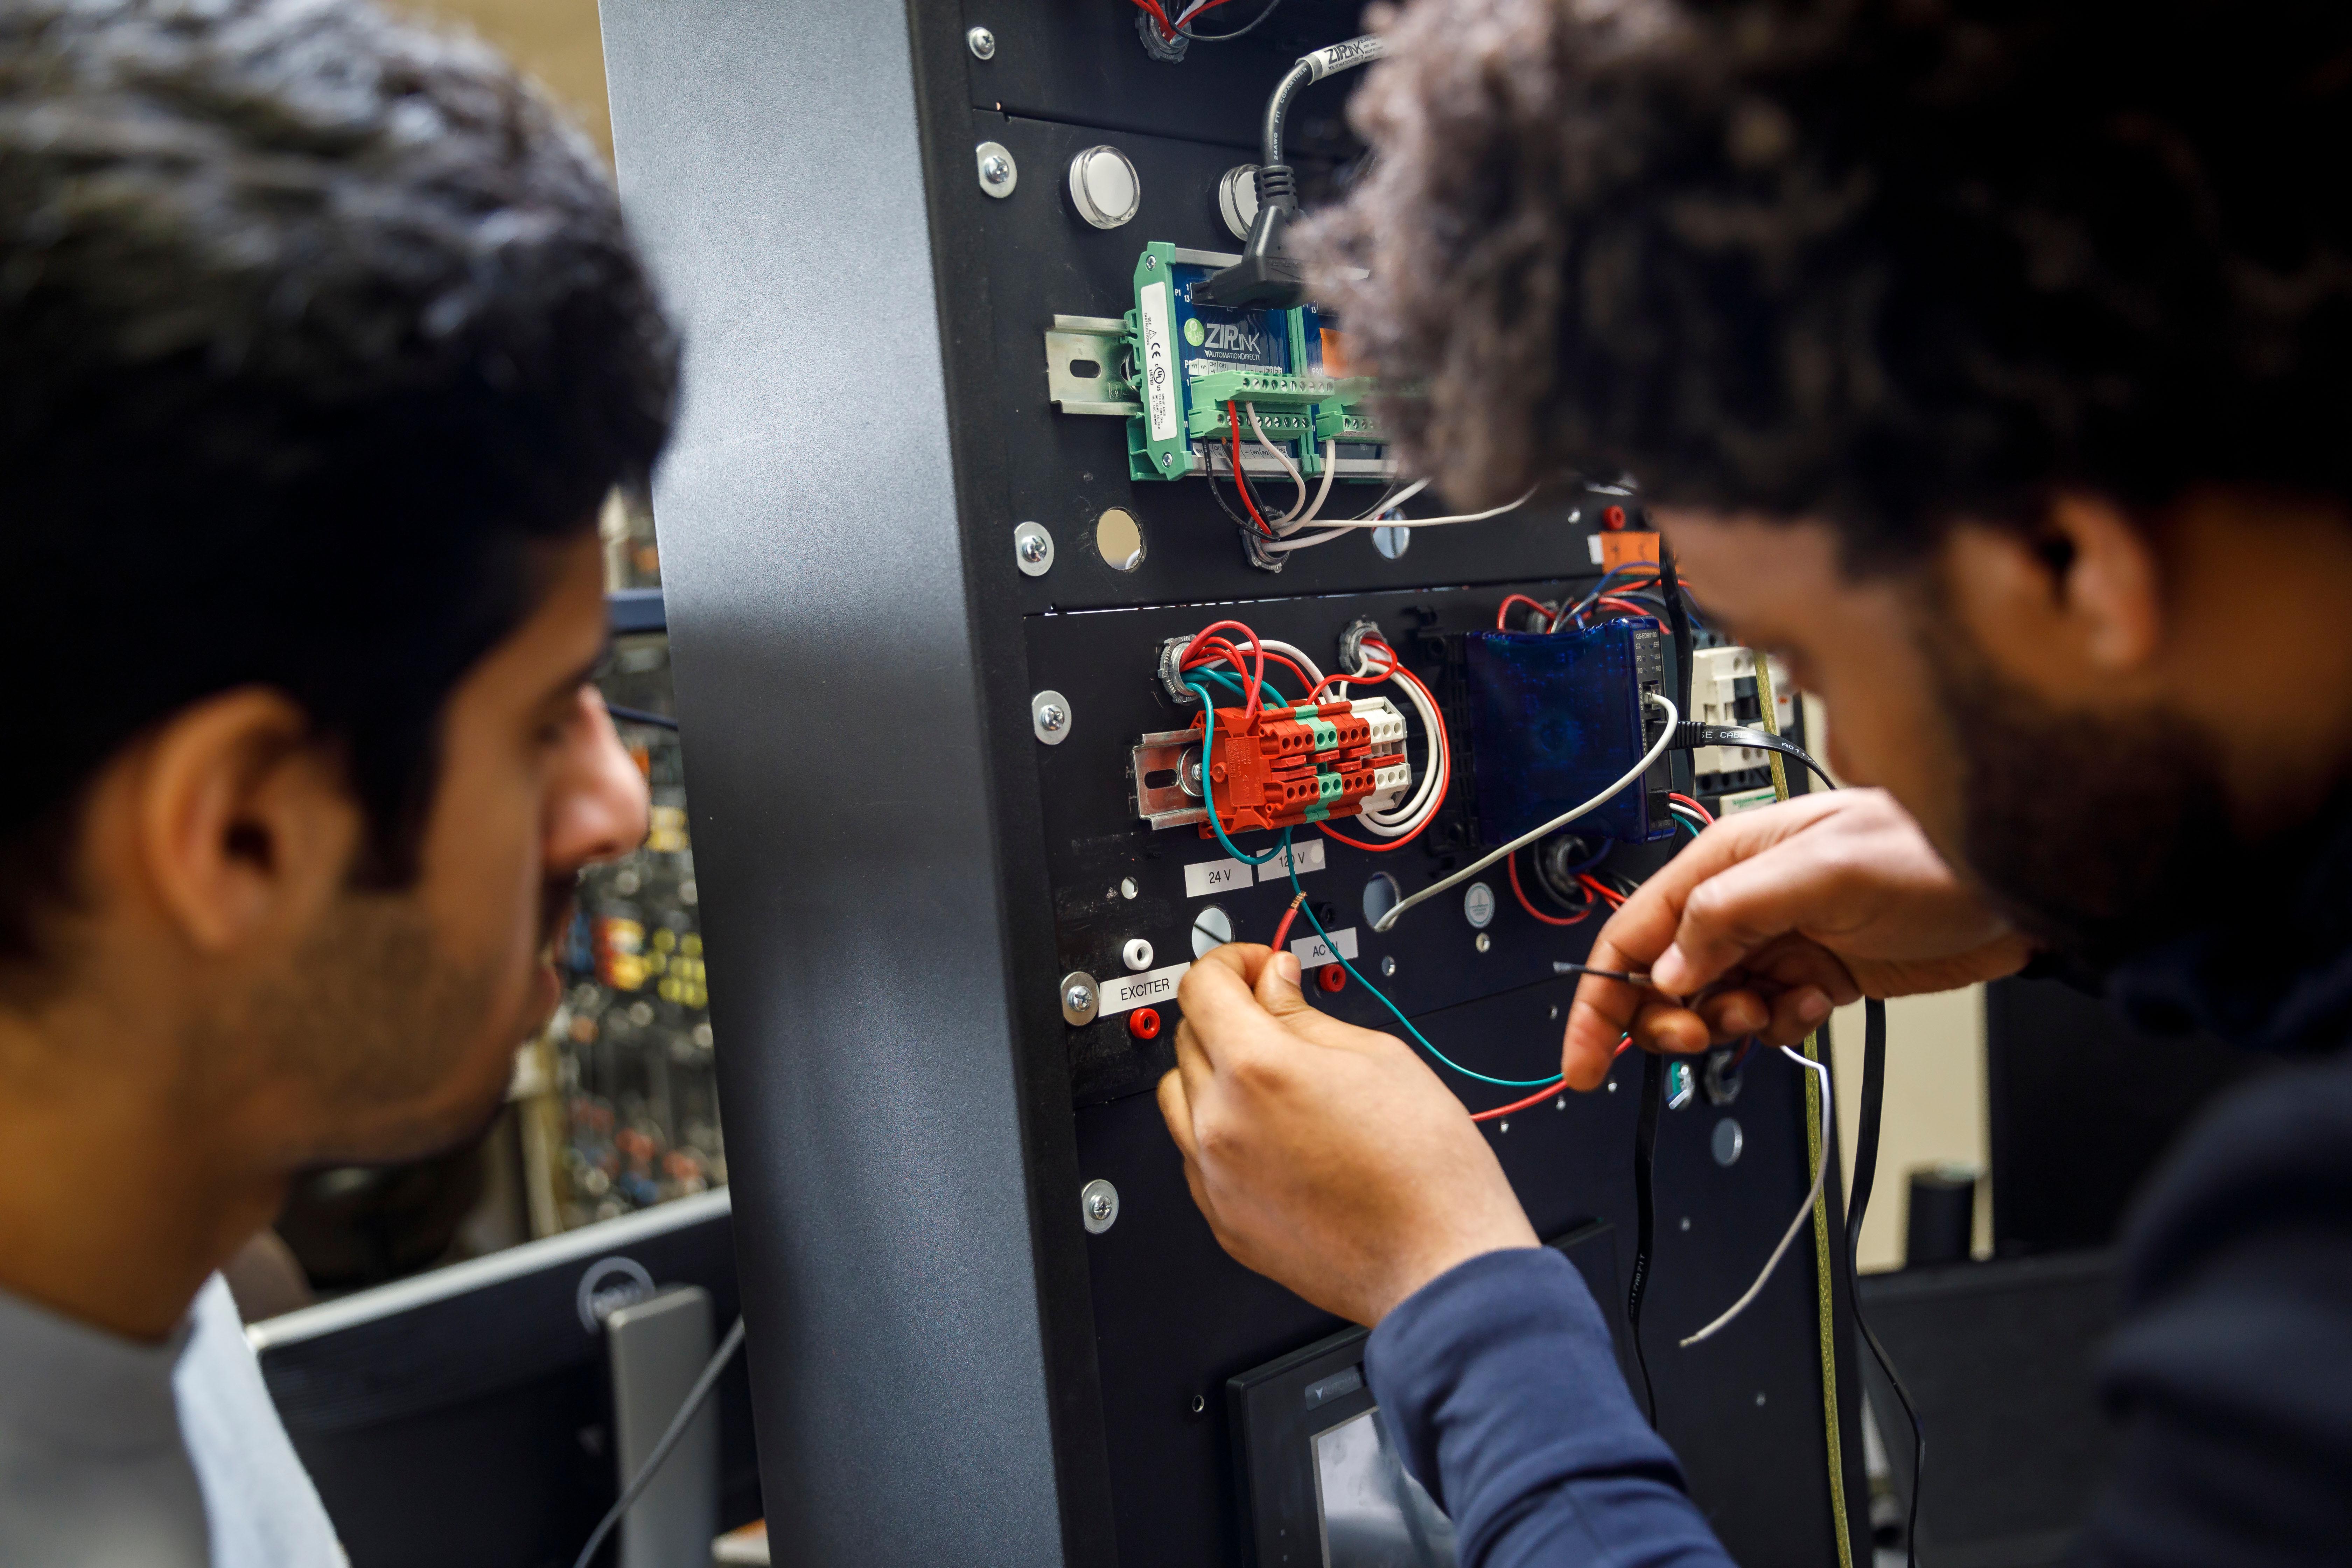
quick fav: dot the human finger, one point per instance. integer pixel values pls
(1176, 1109)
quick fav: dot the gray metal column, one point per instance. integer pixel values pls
(770, 159)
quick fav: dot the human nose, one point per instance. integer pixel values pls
(600, 810)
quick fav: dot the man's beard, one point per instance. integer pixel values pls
(373, 1018)
(2097, 837)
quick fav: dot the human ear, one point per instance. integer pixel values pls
(2084, 591)
(239, 823)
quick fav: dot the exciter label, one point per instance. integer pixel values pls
(1159, 362)
(1152, 988)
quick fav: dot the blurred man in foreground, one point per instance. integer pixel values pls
(321, 345)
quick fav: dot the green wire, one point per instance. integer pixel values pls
(1208, 790)
(1686, 822)
(1290, 863)
(1270, 697)
(1307, 908)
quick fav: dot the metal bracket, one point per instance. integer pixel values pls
(1098, 341)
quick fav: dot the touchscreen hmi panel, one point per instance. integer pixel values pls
(1373, 1513)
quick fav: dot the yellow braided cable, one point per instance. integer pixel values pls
(1823, 1270)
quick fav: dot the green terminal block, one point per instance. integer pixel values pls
(1183, 374)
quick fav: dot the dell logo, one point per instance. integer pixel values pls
(610, 1284)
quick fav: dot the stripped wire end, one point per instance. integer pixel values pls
(1282, 931)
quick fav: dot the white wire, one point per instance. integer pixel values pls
(1288, 467)
(1388, 502)
(1334, 530)
(1322, 491)
(1650, 757)
(1821, 1175)
(1396, 824)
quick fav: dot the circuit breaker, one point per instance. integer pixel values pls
(1048, 607)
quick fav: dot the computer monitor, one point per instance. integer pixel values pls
(1321, 1482)
(464, 1417)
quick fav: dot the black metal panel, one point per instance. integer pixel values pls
(1062, 470)
(948, 1367)
(1177, 1317)
(879, 1119)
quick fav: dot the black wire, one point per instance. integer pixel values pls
(1249, 26)
(695, 1399)
(1689, 736)
(639, 716)
(1669, 587)
(1645, 1215)
(1865, 1168)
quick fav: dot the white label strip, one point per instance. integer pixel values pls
(1205, 877)
(1308, 856)
(1159, 362)
(1313, 954)
(1149, 989)
(1595, 540)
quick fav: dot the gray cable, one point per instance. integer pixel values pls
(677, 1426)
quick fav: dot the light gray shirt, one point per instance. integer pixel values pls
(125, 1455)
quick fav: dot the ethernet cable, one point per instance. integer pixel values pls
(1649, 758)
(1804, 1212)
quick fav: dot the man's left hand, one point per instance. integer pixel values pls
(1326, 1157)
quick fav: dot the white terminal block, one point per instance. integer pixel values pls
(1715, 699)
(1386, 724)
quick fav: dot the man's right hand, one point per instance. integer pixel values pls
(1785, 911)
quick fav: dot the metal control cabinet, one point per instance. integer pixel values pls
(950, 1363)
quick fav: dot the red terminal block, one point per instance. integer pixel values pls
(1332, 977)
(1144, 1023)
(1288, 767)
(1292, 766)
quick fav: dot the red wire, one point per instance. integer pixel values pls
(1521, 893)
(1613, 895)
(1255, 677)
(1704, 815)
(1503, 610)
(1549, 1090)
(1237, 657)
(1233, 414)
(1288, 915)
(1166, 27)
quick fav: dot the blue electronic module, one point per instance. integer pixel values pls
(1557, 717)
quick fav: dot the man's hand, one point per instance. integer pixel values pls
(1785, 912)
(1326, 1157)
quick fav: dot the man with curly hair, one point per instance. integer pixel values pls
(1989, 362)
(321, 344)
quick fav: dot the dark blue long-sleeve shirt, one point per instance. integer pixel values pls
(2230, 1377)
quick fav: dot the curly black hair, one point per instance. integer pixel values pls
(315, 329)
(1884, 263)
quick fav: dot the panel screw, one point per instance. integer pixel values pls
(982, 42)
(1149, 262)
(998, 172)
(1388, 966)
(1076, 1000)
(1099, 1205)
(1033, 549)
(1049, 717)
(1485, 941)
(1167, 459)
(1080, 997)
